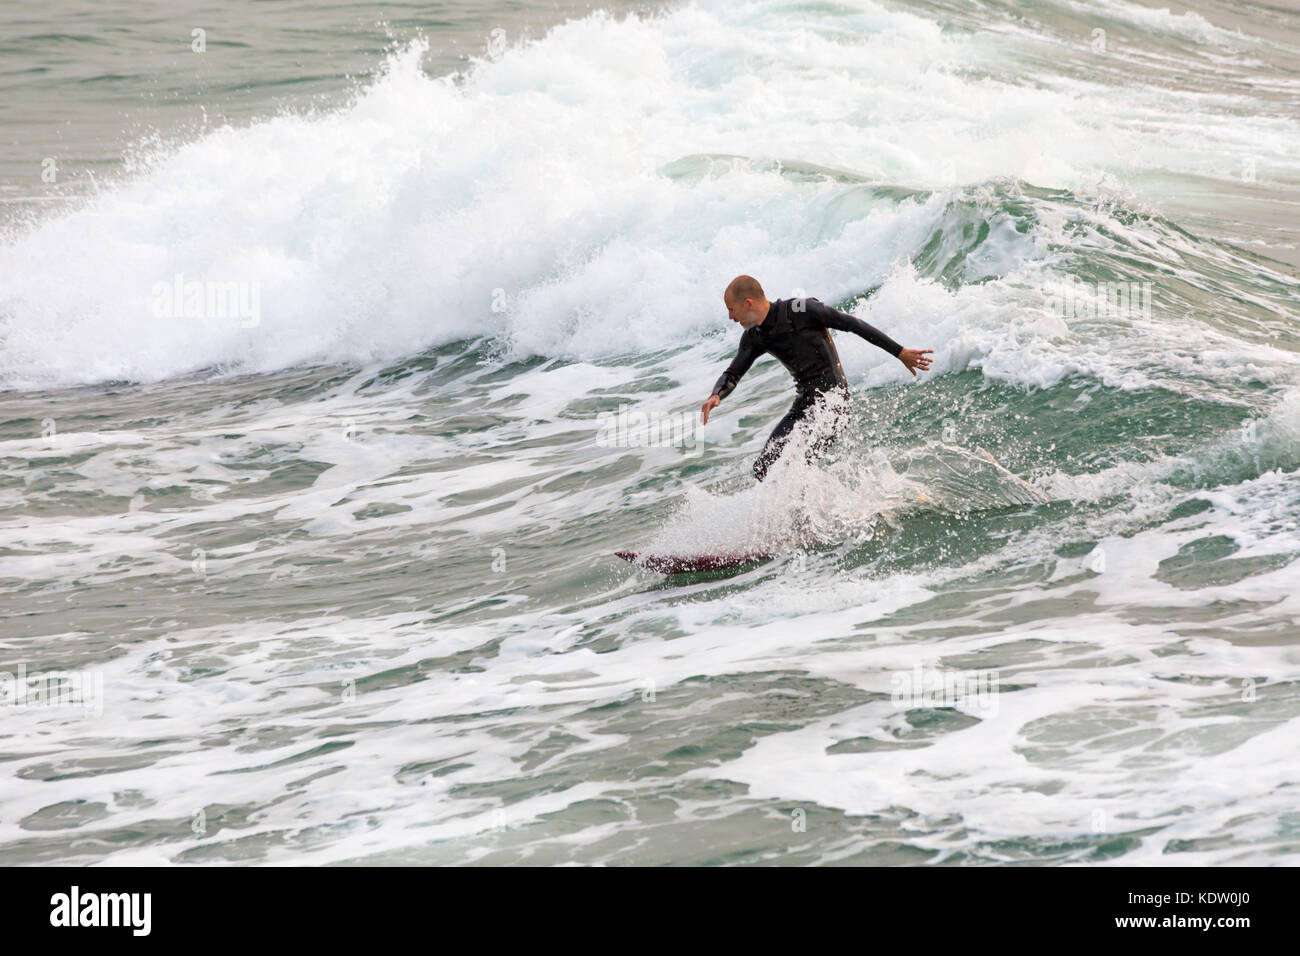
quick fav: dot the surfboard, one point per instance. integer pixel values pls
(687, 563)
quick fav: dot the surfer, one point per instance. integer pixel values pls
(797, 332)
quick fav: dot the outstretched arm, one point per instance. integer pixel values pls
(749, 350)
(834, 319)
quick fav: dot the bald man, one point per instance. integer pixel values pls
(797, 332)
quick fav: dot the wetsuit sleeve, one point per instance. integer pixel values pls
(750, 349)
(835, 319)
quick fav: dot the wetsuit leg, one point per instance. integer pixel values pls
(834, 404)
(802, 407)
(781, 434)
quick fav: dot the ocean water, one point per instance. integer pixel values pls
(315, 344)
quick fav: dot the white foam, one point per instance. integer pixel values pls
(510, 205)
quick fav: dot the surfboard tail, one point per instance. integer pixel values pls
(687, 563)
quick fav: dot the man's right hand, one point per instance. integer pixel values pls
(712, 403)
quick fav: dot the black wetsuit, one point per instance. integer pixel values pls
(796, 332)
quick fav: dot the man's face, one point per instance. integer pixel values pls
(743, 312)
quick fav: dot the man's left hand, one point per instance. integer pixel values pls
(915, 359)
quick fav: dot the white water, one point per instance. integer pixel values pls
(372, 610)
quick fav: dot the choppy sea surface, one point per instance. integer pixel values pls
(323, 571)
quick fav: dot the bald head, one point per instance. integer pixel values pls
(745, 301)
(744, 287)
